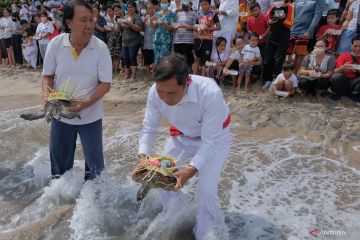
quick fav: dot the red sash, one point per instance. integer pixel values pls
(174, 132)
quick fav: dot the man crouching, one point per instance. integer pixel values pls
(199, 132)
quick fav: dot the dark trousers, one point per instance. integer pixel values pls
(312, 85)
(63, 143)
(148, 55)
(3, 48)
(262, 48)
(185, 49)
(129, 55)
(344, 86)
(16, 43)
(274, 59)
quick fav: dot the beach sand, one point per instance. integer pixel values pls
(334, 124)
(294, 164)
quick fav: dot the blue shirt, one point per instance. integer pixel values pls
(307, 16)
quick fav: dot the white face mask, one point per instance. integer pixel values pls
(278, 4)
(143, 12)
(318, 50)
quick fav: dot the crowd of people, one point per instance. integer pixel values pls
(307, 46)
(83, 45)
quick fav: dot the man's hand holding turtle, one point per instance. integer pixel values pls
(182, 176)
(141, 165)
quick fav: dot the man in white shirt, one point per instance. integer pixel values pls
(200, 119)
(80, 63)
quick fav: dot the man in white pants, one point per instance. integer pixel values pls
(200, 119)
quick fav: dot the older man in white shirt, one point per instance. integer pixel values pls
(200, 131)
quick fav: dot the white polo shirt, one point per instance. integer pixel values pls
(81, 76)
(200, 114)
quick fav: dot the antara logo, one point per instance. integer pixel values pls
(316, 232)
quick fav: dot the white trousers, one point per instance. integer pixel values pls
(209, 175)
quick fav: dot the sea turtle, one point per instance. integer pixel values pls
(156, 173)
(57, 104)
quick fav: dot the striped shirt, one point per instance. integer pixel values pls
(183, 35)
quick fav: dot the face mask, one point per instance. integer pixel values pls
(318, 50)
(43, 19)
(184, 7)
(14, 20)
(143, 12)
(164, 6)
(278, 4)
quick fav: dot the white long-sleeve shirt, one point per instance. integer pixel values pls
(201, 113)
(229, 22)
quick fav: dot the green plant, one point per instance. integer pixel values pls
(5, 3)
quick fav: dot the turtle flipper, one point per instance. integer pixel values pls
(143, 191)
(70, 115)
(32, 116)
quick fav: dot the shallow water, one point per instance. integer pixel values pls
(280, 186)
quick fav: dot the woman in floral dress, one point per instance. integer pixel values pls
(163, 38)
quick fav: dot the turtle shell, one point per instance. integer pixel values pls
(158, 180)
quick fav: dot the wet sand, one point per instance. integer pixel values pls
(294, 164)
(334, 124)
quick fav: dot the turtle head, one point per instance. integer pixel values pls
(143, 191)
(48, 117)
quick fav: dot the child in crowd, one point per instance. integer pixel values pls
(286, 82)
(258, 23)
(147, 49)
(250, 55)
(233, 62)
(31, 49)
(331, 30)
(215, 67)
(207, 22)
